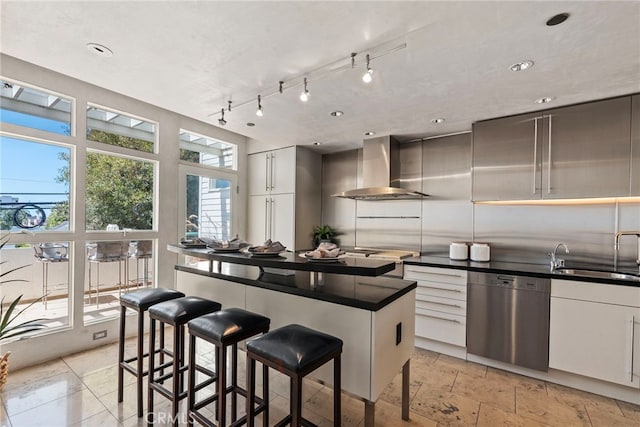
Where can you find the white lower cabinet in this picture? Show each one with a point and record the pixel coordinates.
(272, 217)
(595, 331)
(441, 303)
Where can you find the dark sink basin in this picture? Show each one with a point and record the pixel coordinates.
(599, 274)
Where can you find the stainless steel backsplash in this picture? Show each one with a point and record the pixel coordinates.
(518, 233)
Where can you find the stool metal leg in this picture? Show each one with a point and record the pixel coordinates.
(234, 382)
(222, 387)
(152, 340)
(251, 392)
(296, 401)
(337, 391)
(123, 311)
(265, 395)
(177, 376)
(191, 395)
(140, 368)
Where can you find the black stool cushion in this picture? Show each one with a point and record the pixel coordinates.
(179, 311)
(229, 326)
(144, 298)
(294, 347)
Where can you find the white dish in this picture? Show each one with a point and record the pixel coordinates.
(224, 250)
(265, 254)
(331, 259)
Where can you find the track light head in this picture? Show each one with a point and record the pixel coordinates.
(221, 120)
(259, 110)
(229, 109)
(368, 75)
(304, 96)
(280, 84)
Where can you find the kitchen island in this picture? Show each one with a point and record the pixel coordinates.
(374, 316)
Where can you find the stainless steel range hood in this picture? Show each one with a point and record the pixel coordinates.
(381, 173)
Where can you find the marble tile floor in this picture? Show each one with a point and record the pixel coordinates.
(80, 390)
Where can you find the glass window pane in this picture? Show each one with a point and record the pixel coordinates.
(119, 193)
(207, 151)
(43, 283)
(208, 208)
(34, 185)
(114, 267)
(113, 128)
(34, 108)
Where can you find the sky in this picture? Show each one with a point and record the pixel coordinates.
(31, 167)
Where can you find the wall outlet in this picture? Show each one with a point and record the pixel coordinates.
(100, 334)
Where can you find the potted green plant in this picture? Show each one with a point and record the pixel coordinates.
(8, 316)
(322, 233)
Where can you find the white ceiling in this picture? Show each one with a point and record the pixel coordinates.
(191, 57)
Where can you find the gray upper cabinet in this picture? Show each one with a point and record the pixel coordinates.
(571, 152)
(506, 158)
(635, 145)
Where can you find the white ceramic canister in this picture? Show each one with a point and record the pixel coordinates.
(458, 251)
(480, 252)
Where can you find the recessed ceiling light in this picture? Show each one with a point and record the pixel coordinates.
(369, 133)
(438, 120)
(317, 143)
(520, 66)
(545, 100)
(336, 113)
(99, 49)
(557, 19)
(251, 124)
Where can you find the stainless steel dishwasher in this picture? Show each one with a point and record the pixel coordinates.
(508, 318)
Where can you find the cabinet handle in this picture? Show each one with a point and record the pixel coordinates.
(266, 218)
(437, 274)
(271, 224)
(633, 338)
(271, 172)
(439, 303)
(549, 159)
(266, 173)
(535, 155)
(440, 289)
(440, 318)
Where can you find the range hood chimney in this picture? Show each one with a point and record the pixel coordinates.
(381, 173)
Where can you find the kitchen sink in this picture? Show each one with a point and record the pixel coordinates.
(600, 274)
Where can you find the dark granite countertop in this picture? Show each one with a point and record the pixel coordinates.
(522, 269)
(367, 293)
(292, 261)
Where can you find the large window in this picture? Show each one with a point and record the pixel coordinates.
(206, 151)
(34, 108)
(34, 185)
(208, 207)
(119, 192)
(120, 129)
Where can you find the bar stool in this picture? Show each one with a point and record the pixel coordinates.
(295, 351)
(140, 301)
(223, 329)
(177, 313)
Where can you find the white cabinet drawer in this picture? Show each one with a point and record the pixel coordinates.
(448, 328)
(597, 292)
(444, 305)
(444, 290)
(435, 274)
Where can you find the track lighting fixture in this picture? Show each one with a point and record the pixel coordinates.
(259, 110)
(281, 83)
(221, 120)
(304, 96)
(229, 109)
(368, 75)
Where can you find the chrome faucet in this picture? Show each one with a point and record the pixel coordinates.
(616, 247)
(555, 261)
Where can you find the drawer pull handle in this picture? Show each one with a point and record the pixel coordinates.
(440, 289)
(440, 318)
(438, 274)
(439, 303)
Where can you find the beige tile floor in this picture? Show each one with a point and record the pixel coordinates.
(80, 390)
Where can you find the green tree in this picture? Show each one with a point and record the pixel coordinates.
(118, 190)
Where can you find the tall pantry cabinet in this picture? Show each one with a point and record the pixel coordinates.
(284, 196)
